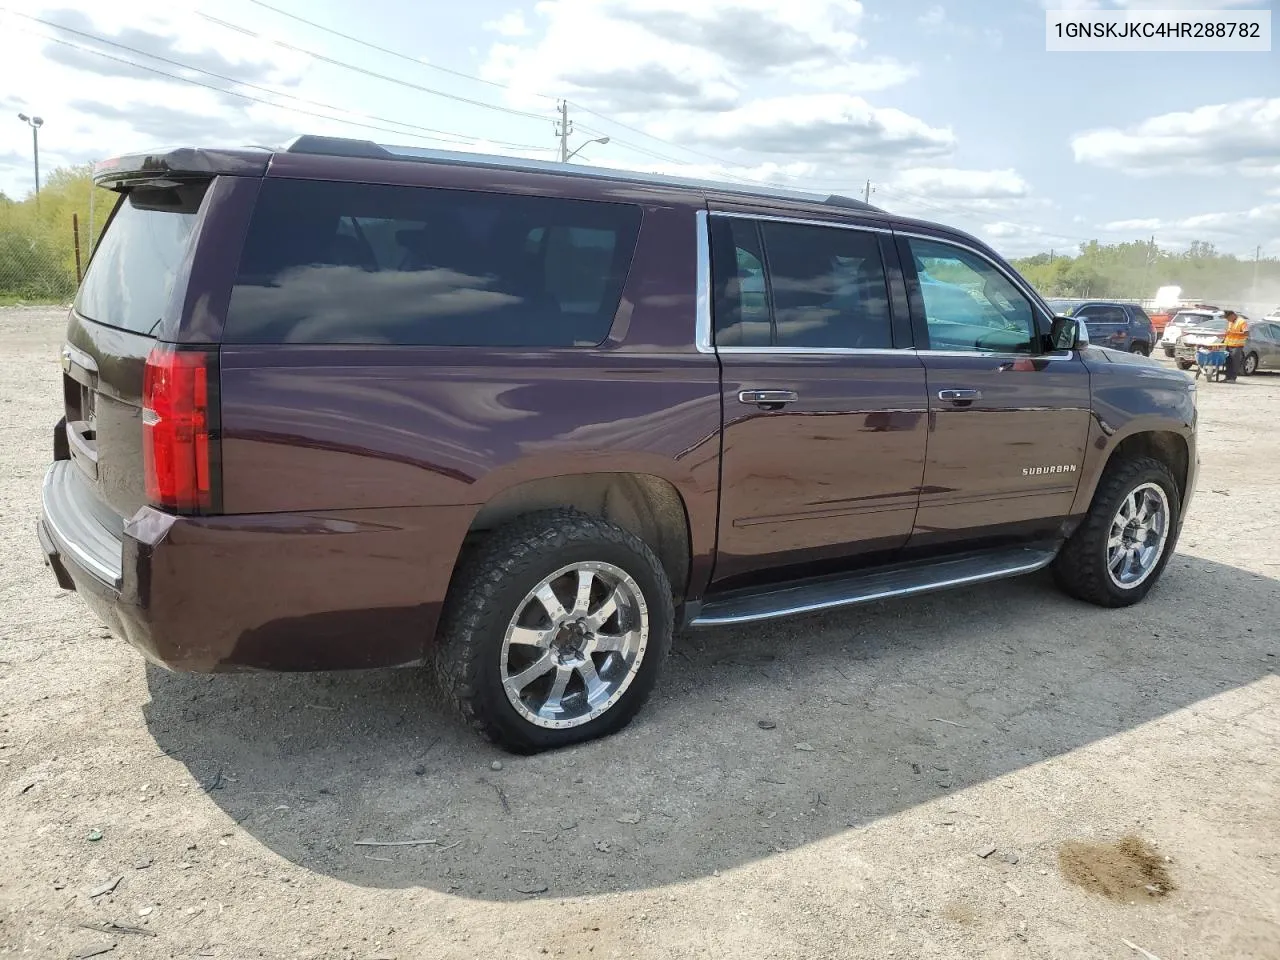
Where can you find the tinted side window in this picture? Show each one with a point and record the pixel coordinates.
(828, 287)
(332, 262)
(741, 299)
(969, 304)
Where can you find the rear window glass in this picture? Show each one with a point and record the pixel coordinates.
(140, 258)
(329, 262)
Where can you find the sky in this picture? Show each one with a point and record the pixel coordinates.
(953, 111)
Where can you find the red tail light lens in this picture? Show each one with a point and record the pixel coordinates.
(177, 428)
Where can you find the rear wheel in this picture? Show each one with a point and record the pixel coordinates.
(1119, 551)
(555, 631)
(1185, 364)
(1141, 348)
(1250, 364)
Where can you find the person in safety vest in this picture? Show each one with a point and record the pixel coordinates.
(1237, 337)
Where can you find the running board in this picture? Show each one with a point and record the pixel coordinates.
(903, 580)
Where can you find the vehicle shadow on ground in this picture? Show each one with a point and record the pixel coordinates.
(876, 710)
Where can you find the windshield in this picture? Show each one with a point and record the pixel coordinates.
(1060, 307)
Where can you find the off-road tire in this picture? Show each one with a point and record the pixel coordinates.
(1081, 566)
(493, 579)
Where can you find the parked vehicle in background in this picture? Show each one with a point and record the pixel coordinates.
(1180, 323)
(1159, 320)
(339, 405)
(1261, 350)
(1120, 326)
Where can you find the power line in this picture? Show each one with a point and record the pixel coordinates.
(467, 76)
(323, 58)
(451, 136)
(235, 93)
(387, 50)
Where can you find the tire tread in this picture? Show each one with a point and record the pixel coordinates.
(1079, 568)
(486, 567)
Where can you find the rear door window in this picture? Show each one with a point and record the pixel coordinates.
(795, 286)
(329, 262)
(140, 258)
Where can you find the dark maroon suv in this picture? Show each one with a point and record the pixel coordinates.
(339, 406)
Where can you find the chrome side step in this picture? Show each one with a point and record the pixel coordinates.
(898, 581)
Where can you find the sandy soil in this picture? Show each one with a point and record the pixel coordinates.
(911, 739)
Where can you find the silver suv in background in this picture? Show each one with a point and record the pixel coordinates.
(1180, 323)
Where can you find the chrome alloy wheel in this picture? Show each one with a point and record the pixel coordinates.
(575, 644)
(1138, 535)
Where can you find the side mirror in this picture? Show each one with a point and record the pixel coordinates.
(1069, 333)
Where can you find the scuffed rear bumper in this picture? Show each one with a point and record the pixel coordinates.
(331, 591)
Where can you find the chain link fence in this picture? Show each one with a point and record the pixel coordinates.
(45, 244)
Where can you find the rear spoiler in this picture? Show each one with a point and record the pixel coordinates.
(170, 167)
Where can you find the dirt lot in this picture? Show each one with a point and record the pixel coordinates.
(911, 738)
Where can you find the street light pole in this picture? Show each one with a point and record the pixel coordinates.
(35, 123)
(574, 153)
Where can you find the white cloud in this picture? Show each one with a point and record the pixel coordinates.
(857, 77)
(1234, 231)
(1020, 240)
(1242, 136)
(957, 184)
(688, 56)
(1148, 4)
(1128, 226)
(935, 16)
(936, 20)
(509, 25)
(833, 125)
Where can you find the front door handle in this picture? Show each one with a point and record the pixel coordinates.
(960, 397)
(768, 399)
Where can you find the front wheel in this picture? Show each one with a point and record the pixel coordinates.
(1119, 551)
(1250, 366)
(554, 632)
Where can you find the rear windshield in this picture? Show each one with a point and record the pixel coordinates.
(328, 262)
(139, 258)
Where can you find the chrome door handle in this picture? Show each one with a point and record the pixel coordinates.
(960, 396)
(768, 399)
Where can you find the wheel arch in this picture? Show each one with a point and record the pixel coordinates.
(648, 506)
(1170, 447)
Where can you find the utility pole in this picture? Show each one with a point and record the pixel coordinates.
(35, 123)
(563, 129)
(866, 194)
(1148, 260)
(1257, 255)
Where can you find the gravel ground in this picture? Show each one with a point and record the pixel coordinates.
(911, 737)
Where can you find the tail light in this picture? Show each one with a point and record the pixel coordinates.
(179, 429)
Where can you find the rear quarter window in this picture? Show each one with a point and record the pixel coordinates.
(328, 263)
(140, 259)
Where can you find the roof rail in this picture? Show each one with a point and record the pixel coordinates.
(367, 149)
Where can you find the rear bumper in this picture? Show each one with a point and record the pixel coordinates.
(332, 591)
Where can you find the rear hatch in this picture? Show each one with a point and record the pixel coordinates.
(131, 293)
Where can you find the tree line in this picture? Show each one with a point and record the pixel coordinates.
(37, 242)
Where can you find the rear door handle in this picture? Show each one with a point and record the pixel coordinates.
(768, 399)
(962, 397)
